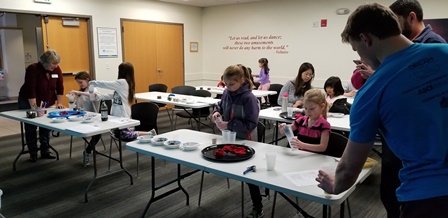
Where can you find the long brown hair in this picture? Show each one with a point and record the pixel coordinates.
(301, 86)
(126, 71)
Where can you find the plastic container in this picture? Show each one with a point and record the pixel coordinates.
(104, 111)
(1, 193)
(285, 102)
(289, 135)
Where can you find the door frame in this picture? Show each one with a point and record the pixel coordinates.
(155, 22)
(89, 30)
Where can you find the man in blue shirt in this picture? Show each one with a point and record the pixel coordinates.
(410, 80)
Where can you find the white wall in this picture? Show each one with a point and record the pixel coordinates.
(293, 20)
(107, 13)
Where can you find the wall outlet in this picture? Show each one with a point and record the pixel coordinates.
(316, 24)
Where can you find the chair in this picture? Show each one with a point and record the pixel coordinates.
(146, 113)
(261, 130)
(273, 98)
(335, 148)
(196, 112)
(183, 90)
(161, 88)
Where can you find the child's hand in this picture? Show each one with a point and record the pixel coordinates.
(215, 115)
(295, 143)
(222, 125)
(73, 92)
(280, 127)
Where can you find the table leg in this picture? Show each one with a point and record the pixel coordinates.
(23, 147)
(304, 213)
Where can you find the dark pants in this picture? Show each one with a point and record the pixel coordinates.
(31, 133)
(432, 207)
(255, 195)
(95, 139)
(390, 181)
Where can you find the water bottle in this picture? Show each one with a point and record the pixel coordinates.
(285, 102)
(92, 93)
(104, 111)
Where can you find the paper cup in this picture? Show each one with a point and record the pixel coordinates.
(270, 160)
(232, 137)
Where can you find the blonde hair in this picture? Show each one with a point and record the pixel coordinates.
(317, 96)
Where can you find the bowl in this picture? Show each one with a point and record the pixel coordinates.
(58, 119)
(88, 118)
(75, 118)
(189, 146)
(336, 115)
(172, 144)
(145, 139)
(31, 114)
(158, 141)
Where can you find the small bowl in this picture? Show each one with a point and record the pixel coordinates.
(144, 139)
(337, 115)
(58, 119)
(172, 144)
(158, 141)
(89, 118)
(190, 146)
(75, 118)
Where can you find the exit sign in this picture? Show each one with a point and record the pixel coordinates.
(43, 1)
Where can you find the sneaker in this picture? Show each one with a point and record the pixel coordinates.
(85, 158)
(255, 214)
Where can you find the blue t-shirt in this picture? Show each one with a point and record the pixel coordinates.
(407, 99)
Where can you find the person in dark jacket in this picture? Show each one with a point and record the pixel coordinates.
(238, 108)
(43, 86)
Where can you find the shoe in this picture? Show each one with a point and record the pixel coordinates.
(85, 158)
(33, 158)
(255, 214)
(48, 155)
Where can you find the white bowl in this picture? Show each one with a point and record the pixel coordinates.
(58, 119)
(190, 146)
(336, 115)
(145, 139)
(88, 118)
(75, 118)
(158, 141)
(172, 144)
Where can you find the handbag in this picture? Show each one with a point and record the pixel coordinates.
(340, 106)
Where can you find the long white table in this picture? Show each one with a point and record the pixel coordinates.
(184, 101)
(76, 129)
(220, 90)
(287, 161)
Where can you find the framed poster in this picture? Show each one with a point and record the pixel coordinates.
(194, 47)
(107, 42)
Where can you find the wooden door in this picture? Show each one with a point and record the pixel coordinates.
(72, 44)
(156, 51)
(139, 48)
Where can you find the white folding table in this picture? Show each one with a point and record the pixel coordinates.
(220, 90)
(76, 129)
(287, 161)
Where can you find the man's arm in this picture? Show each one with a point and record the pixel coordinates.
(349, 167)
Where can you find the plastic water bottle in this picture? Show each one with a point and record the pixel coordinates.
(91, 93)
(285, 102)
(104, 111)
(289, 135)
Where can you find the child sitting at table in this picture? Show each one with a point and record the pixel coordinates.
(336, 98)
(238, 108)
(313, 130)
(221, 83)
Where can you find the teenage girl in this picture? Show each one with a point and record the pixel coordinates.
(263, 76)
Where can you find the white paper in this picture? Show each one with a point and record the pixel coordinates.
(83, 128)
(302, 178)
(118, 120)
(107, 42)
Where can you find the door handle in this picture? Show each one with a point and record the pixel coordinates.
(159, 70)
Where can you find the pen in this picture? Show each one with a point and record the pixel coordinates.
(250, 169)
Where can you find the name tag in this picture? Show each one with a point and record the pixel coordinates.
(54, 76)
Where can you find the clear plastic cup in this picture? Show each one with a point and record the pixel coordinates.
(232, 137)
(289, 135)
(225, 135)
(290, 111)
(330, 169)
(271, 156)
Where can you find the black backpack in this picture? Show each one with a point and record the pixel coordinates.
(340, 106)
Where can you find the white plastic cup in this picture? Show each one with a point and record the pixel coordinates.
(330, 169)
(270, 160)
(225, 135)
(289, 110)
(289, 135)
(232, 137)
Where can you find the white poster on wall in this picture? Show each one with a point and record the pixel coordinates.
(107, 42)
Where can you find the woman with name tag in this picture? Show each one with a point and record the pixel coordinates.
(43, 85)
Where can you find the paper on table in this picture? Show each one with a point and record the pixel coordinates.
(302, 178)
(83, 128)
(119, 120)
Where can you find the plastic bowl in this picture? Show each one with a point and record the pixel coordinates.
(58, 119)
(158, 141)
(145, 139)
(75, 118)
(172, 144)
(88, 118)
(337, 115)
(190, 146)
